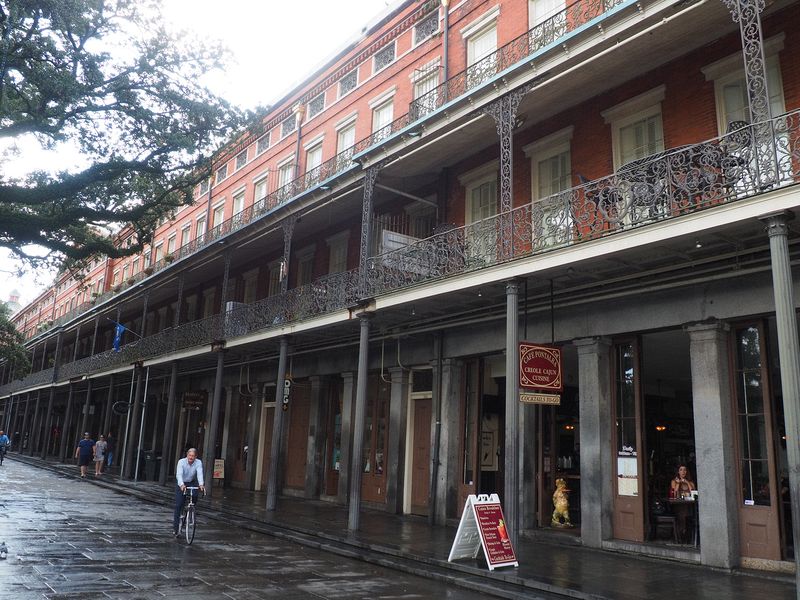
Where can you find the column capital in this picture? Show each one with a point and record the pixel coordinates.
(775, 223)
(348, 375)
(707, 330)
(591, 345)
(399, 373)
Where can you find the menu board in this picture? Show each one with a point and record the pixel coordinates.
(483, 526)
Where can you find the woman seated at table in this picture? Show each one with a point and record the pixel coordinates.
(681, 487)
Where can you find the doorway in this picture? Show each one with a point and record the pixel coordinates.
(653, 437)
(764, 506)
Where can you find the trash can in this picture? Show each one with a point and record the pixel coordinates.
(150, 463)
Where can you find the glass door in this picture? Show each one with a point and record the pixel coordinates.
(629, 481)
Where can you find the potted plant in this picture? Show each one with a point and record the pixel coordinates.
(131, 281)
(148, 270)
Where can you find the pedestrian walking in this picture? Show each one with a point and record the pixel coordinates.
(84, 452)
(109, 448)
(99, 455)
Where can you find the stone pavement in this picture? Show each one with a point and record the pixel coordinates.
(411, 545)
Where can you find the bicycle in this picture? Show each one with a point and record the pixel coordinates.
(188, 522)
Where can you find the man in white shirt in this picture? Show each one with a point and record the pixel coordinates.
(188, 473)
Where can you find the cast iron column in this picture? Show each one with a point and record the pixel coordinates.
(169, 426)
(356, 457)
(277, 429)
(211, 449)
(62, 453)
(288, 231)
(85, 419)
(747, 13)
(131, 432)
(24, 427)
(109, 408)
(512, 494)
(35, 426)
(504, 113)
(789, 354)
(366, 230)
(49, 414)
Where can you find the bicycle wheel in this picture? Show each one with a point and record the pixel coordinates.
(191, 523)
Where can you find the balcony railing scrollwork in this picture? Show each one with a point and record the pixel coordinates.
(654, 189)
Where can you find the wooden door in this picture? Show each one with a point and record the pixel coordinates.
(759, 504)
(421, 457)
(296, 451)
(629, 488)
(333, 446)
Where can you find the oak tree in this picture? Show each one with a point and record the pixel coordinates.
(107, 80)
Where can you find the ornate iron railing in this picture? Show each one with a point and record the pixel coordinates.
(545, 33)
(575, 15)
(665, 186)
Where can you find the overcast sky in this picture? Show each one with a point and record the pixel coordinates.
(274, 44)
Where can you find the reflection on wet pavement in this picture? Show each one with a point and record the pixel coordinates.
(69, 539)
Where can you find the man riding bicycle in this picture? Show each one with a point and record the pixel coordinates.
(188, 473)
(5, 444)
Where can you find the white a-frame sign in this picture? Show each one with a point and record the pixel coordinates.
(483, 526)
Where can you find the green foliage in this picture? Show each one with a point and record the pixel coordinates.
(103, 77)
(12, 351)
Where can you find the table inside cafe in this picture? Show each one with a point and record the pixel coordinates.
(690, 506)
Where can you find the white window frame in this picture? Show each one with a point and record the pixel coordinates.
(185, 239)
(259, 149)
(314, 147)
(285, 166)
(309, 116)
(200, 223)
(475, 179)
(238, 198)
(263, 178)
(172, 242)
(236, 165)
(339, 93)
(544, 148)
(159, 249)
(294, 129)
(415, 41)
(375, 69)
(215, 208)
(533, 21)
(731, 68)
(643, 106)
(349, 124)
(221, 174)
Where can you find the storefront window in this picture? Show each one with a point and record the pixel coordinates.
(626, 401)
(751, 418)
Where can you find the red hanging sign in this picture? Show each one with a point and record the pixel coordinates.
(540, 368)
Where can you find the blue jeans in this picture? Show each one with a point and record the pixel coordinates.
(110, 455)
(180, 498)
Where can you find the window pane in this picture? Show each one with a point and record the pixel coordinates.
(755, 482)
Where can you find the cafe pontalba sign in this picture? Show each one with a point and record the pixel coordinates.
(483, 525)
(540, 374)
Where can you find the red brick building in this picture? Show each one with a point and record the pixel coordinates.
(596, 176)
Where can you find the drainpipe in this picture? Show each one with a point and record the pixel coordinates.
(299, 115)
(446, 35)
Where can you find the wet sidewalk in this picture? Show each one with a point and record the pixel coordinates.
(548, 568)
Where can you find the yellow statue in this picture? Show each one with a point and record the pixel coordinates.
(561, 505)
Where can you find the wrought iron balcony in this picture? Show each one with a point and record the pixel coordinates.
(666, 186)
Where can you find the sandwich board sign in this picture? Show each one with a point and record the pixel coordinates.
(483, 526)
